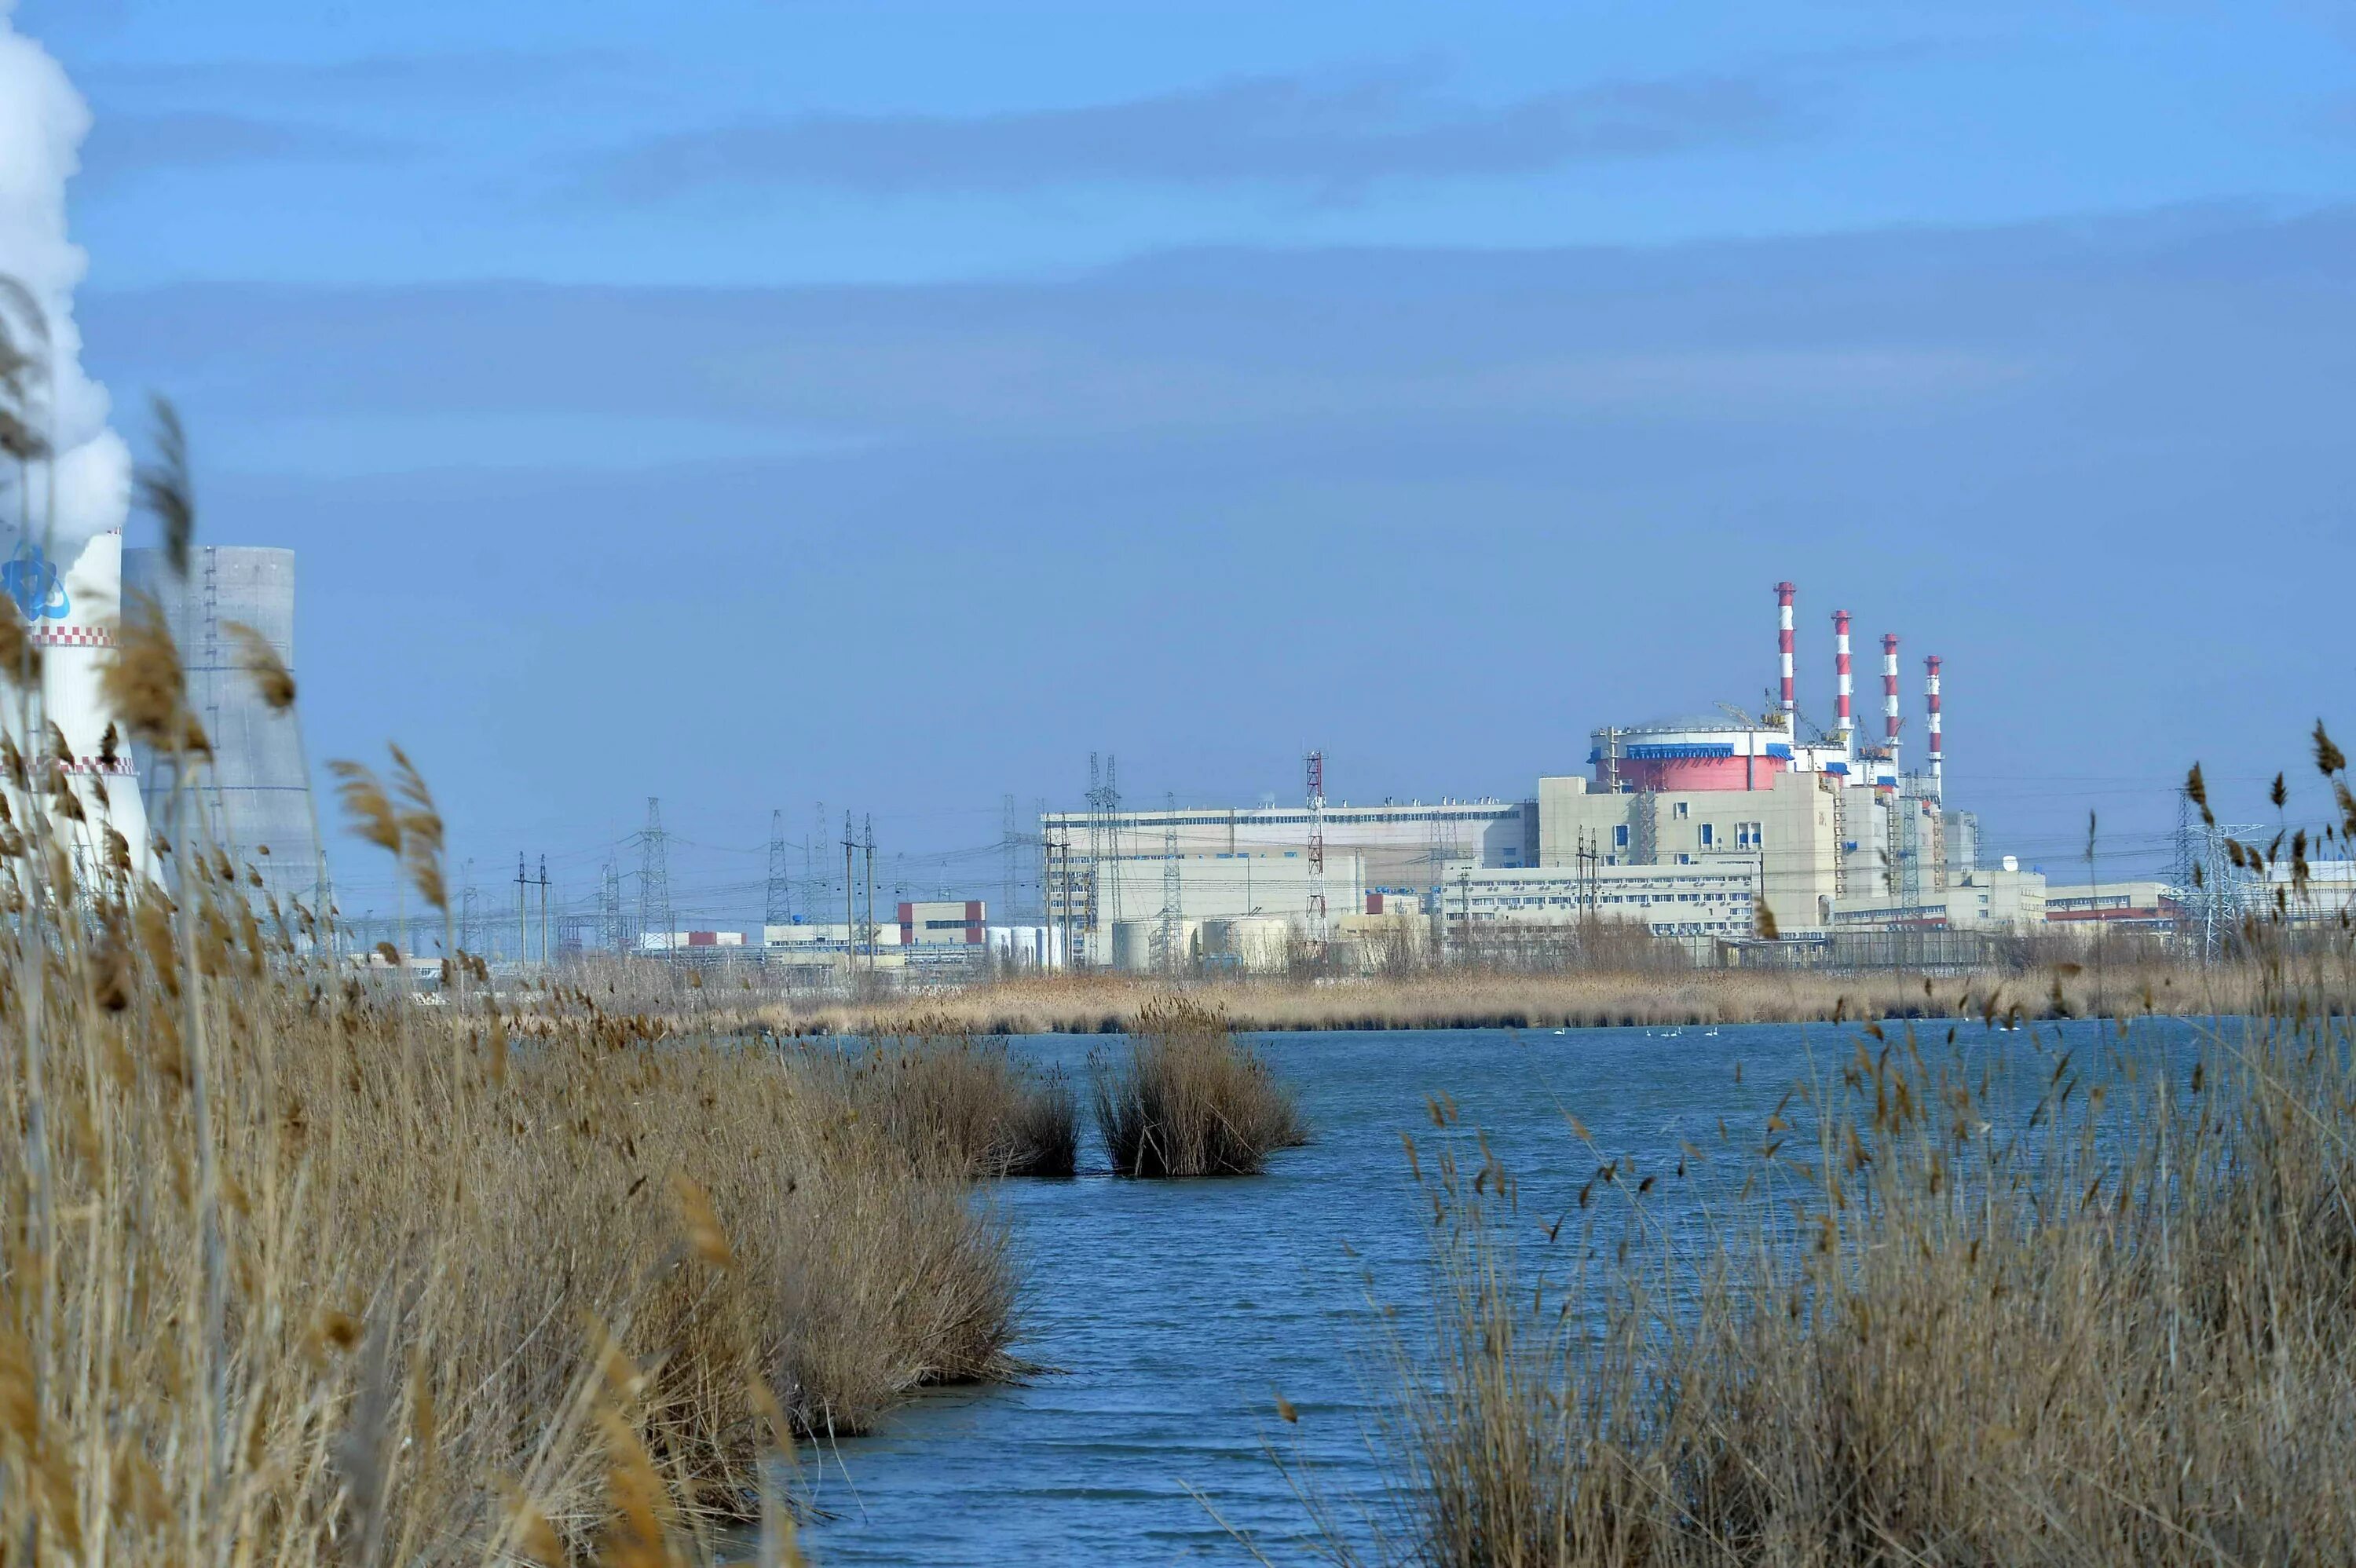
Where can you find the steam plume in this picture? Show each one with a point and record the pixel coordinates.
(42, 123)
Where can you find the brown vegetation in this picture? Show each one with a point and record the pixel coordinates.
(1458, 998)
(1188, 1099)
(2101, 1314)
(950, 1101)
(296, 1269)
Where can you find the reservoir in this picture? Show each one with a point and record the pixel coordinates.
(1175, 1314)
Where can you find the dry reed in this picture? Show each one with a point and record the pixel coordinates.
(295, 1270)
(950, 1100)
(1459, 998)
(2022, 1306)
(1189, 1099)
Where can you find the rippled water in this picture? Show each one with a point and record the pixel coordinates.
(1176, 1311)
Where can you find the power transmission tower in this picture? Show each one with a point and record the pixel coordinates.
(1009, 842)
(544, 953)
(468, 937)
(1316, 771)
(1172, 929)
(523, 912)
(609, 908)
(780, 908)
(654, 878)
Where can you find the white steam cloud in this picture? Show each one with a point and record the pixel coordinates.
(42, 123)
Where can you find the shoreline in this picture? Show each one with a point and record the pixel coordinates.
(1096, 1005)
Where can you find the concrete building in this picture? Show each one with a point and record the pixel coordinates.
(1717, 897)
(941, 922)
(2004, 901)
(1405, 846)
(1791, 824)
(2139, 905)
(688, 940)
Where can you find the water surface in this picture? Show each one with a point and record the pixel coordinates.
(1176, 1312)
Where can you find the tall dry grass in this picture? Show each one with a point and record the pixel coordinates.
(2027, 1306)
(295, 1270)
(1189, 1099)
(1457, 998)
(950, 1099)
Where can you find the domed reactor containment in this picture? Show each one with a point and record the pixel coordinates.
(256, 795)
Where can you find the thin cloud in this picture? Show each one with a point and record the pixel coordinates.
(1334, 138)
(123, 146)
(452, 75)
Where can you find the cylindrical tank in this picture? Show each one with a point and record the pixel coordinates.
(256, 795)
(1132, 946)
(72, 615)
(1261, 943)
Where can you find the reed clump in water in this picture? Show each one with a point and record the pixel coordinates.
(2093, 1308)
(298, 1269)
(952, 1100)
(1189, 1099)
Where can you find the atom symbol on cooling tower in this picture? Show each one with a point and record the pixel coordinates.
(32, 583)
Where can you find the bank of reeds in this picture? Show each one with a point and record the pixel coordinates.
(2036, 1307)
(1454, 998)
(295, 1270)
(1187, 1098)
(950, 1099)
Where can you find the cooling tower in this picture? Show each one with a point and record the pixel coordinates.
(71, 616)
(256, 795)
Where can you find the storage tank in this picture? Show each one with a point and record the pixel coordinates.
(72, 615)
(1259, 944)
(1132, 946)
(256, 795)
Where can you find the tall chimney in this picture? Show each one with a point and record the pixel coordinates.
(1783, 591)
(1844, 722)
(1890, 695)
(1931, 696)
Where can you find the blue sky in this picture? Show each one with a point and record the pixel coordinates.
(756, 403)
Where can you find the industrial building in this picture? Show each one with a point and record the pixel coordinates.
(2006, 900)
(254, 794)
(1722, 827)
(1713, 899)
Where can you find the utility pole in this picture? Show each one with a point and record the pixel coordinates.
(849, 882)
(523, 915)
(869, 821)
(544, 955)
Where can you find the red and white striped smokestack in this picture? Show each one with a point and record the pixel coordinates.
(1931, 698)
(1783, 591)
(1844, 722)
(1889, 694)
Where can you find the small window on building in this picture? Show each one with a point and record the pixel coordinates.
(1620, 836)
(1708, 835)
(1679, 811)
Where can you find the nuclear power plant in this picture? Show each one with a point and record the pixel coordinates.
(254, 794)
(1720, 829)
